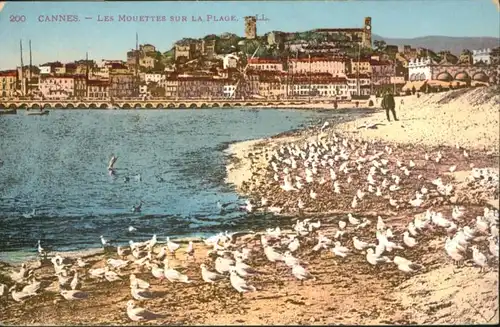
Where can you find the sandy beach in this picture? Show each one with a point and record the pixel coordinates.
(345, 289)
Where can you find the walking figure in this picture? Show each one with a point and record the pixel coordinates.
(389, 104)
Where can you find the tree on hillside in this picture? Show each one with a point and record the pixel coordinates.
(379, 45)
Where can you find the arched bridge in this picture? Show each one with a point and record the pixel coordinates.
(140, 104)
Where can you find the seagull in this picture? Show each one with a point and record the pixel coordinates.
(30, 215)
(190, 250)
(406, 265)
(141, 294)
(493, 246)
(223, 265)
(75, 283)
(238, 283)
(104, 241)
(138, 283)
(172, 247)
(140, 314)
(112, 162)
(131, 229)
(111, 276)
(209, 276)
(325, 125)
(360, 245)
(138, 207)
(373, 259)
(74, 295)
(173, 275)
(479, 258)
(352, 220)
(339, 250)
(301, 273)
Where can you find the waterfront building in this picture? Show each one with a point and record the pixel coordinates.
(333, 66)
(321, 85)
(80, 82)
(98, 89)
(481, 56)
(359, 82)
(382, 71)
(229, 90)
(265, 64)
(171, 87)
(8, 83)
(420, 69)
(200, 87)
(154, 77)
(122, 85)
(271, 84)
(57, 87)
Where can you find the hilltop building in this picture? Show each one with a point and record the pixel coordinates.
(250, 27)
(362, 36)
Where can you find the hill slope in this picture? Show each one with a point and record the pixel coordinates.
(438, 43)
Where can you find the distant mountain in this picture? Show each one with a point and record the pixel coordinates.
(439, 43)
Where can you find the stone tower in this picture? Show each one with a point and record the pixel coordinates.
(250, 27)
(367, 39)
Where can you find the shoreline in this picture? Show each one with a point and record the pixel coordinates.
(345, 290)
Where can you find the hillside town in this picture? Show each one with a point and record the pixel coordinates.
(338, 64)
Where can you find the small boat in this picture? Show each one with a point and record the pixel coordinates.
(8, 112)
(37, 113)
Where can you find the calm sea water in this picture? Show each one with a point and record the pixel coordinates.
(56, 164)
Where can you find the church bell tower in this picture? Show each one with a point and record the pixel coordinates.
(367, 40)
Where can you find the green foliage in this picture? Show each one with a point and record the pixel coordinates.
(380, 45)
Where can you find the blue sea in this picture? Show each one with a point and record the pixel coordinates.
(57, 165)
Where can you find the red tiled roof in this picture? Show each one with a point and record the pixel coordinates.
(97, 82)
(318, 59)
(359, 76)
(8, 73)
(263, 61)
(329, 80)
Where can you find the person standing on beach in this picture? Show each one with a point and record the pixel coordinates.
(389, 104)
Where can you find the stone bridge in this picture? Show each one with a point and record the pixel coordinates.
(139, 104)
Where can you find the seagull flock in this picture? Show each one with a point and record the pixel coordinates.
(339, 172)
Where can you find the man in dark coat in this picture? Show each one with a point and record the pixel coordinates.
(389, 104)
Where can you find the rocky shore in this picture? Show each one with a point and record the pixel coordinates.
(362, 201)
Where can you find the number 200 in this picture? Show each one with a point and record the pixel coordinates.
(17, 19)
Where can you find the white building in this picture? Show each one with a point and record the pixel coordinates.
(154, 77)
(483, 55)
(328, 88)
(45, 70)
(229, 90)
(333, 66)
(420, 69)
(57, 87)
(363, 83)
(265, 64)
(230, 61)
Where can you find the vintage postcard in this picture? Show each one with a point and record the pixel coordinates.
(249, 162)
